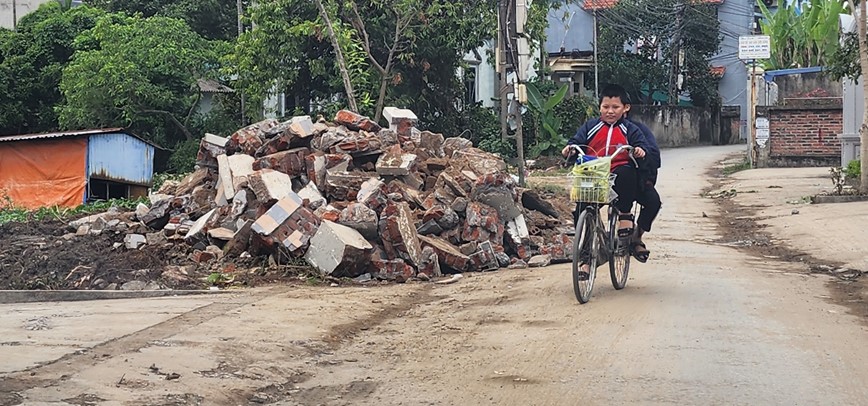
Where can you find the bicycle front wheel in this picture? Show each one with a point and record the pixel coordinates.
(619, 256)
(584, 252)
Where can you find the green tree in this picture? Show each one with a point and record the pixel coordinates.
(138, 73)
(212, 19)
(31, 61)
(403, 52)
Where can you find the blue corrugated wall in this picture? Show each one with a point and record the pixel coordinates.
(120, 157)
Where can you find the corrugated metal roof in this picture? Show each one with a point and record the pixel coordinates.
(79, 133)
(607, 4)
(213, 86)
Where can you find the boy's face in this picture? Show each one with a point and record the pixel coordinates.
(612, 109)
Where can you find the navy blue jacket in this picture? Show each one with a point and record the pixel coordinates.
(648, 167)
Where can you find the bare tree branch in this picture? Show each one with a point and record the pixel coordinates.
(345, 74)
(174, 120)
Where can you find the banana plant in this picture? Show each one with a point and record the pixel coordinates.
(802, 35)
(549, 140)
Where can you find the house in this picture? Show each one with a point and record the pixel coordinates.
(208, 89)
(11, 11)
(73, 167)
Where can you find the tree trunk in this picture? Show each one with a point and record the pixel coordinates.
(339, 55)
(863, 61)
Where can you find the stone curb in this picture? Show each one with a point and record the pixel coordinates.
(35, 296)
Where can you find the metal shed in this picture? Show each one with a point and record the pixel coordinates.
(74, 167)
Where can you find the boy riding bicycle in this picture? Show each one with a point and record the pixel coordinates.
(601, 137)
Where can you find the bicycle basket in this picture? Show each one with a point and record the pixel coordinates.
(591, 182)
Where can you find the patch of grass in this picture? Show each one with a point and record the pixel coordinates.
(741, 166)
(552, 173)
(9, 212)
(548, 188)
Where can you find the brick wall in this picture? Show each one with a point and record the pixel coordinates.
(804, 132)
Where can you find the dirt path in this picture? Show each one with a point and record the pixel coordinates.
(703, 323)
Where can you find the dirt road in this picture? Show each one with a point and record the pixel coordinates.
(702, 323)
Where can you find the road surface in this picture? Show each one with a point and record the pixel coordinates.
(702, 323)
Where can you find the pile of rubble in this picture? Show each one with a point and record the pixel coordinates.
(351, 198)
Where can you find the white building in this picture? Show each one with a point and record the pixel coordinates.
(11, 11)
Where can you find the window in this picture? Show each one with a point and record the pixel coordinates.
(105, 190)
(470, 85)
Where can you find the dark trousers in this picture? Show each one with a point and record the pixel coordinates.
(650, 201)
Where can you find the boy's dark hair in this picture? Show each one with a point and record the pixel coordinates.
(613, 91)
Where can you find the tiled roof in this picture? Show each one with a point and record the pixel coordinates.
(607, 4)
(718, 70)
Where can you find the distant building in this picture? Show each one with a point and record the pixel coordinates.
(11, 11)
(71, 168)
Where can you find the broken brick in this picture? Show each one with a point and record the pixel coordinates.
(391, 270)
(287, 224)
(432, 143)
(398, 233)
(210, 148)
(451, 145)
(485, 259)
(296, 132)
(357, 144)
(559, 247)
(373, 193)
(449, 255)
(318, 164)
(430, 265)
(482, 224)
(445, 217)
(341, 185)
(355, 121)
(290, 162)
(361, 218)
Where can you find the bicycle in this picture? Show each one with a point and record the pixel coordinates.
(591, 184)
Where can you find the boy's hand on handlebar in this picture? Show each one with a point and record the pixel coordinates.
(566, 151)
(638, 152)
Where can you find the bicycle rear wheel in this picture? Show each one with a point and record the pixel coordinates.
(584, 251)
(619, 257)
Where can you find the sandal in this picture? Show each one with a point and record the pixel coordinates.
(582, 274)
(640, 251)
(625, 236)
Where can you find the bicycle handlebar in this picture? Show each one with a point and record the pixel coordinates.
(579, 153)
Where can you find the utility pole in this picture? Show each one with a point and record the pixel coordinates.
(596, 61)
(241, 31)
(676, 52)
(14, 17)
(751, 123)
(501, 68)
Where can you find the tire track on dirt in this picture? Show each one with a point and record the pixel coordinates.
(62, 368)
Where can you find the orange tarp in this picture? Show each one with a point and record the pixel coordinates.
(43, 173)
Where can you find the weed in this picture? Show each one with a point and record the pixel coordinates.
(741, 166)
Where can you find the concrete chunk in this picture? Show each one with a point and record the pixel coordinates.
(498, 191)
(241, 166)
(339, 251)
(221, 233)
(540, 261)
(360, 218)
(311, 194)
(198, 228)
(134, 241)
(228, 188)
(394, 162)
